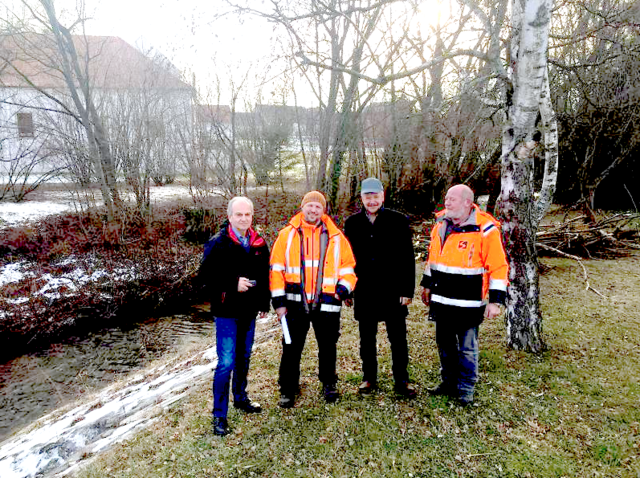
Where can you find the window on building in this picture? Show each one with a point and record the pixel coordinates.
(25, 125)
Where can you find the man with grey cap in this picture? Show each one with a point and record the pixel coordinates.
(385, 267)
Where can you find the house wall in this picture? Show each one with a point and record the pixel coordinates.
(147, 119)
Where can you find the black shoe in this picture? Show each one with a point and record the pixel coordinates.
(366, 388)
(248, 406)
(287, 401)
(444, 390)
(220, 426)
(330, 393)
(406, 390)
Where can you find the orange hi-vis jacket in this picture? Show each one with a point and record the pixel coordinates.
(468, 267)
(297, 280)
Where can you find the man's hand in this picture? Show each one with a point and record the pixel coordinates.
(425, 296)
(244, 284)
(405, 300)
(281, 311)
(492, 310)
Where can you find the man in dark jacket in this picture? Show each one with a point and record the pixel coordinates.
(235, 273)
(385, 267)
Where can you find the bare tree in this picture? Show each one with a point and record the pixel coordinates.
(595, 80)
(333, 44)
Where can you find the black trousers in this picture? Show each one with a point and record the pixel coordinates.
(326, 326)
(397, 333)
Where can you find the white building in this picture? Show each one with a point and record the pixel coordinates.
(143, 104)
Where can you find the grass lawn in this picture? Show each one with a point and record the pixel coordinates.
(572, 411)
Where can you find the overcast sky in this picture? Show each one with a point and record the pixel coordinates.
(189, 35)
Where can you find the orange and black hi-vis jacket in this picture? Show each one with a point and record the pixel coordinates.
(467, 267)
(310, 265)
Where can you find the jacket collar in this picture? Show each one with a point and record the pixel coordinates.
(472, 220)
(332, 229)
(364, 211)
(255, 239)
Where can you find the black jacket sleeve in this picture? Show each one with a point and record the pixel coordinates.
(407, 259)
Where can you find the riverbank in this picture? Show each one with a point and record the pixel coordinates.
(66, 272)
(570, 411)
(70, 273)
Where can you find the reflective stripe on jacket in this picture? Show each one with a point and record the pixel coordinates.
(295, 259)
(467, 268)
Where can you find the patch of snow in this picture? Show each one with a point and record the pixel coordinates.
(14, 214)
(11, 273)
(18, 301)
(55, 283)
(14, 272)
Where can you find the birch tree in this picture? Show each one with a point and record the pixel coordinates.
(527, 96)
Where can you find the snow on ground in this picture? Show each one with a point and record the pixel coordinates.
(60, 442)
(57, 443)
(14, 214)
(56, 202)
(62, 200)
(70, 281)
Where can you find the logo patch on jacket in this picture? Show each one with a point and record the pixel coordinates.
(463, 244)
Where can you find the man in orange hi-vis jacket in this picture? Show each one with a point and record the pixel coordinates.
(312, 273)
(465, 280)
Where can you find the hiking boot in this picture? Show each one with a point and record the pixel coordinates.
(406, 389)
(330, 393)
(367, 388)
(287, 401)
(220, 426)
(248, 406)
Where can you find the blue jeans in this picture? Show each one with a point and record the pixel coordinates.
(458, 349)
(234, 340)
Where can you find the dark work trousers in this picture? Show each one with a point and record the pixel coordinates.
(234, 340)
(458, 349)
(397, 333)
(326, 327)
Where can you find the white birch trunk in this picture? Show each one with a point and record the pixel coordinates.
(527, 72)
(550, 131)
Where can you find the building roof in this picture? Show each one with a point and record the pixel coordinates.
(214, 113)
(33, 60)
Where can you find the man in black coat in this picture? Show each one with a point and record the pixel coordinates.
(235, 273)
(385, 267)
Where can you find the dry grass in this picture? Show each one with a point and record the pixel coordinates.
(571, 411)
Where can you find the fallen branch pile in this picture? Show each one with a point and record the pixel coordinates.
(611, 236)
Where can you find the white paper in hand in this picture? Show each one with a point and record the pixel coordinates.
(285, 330)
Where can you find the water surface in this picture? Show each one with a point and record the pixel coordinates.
(37, 383)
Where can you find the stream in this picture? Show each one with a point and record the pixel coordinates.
(36, 383)
(42, 387)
